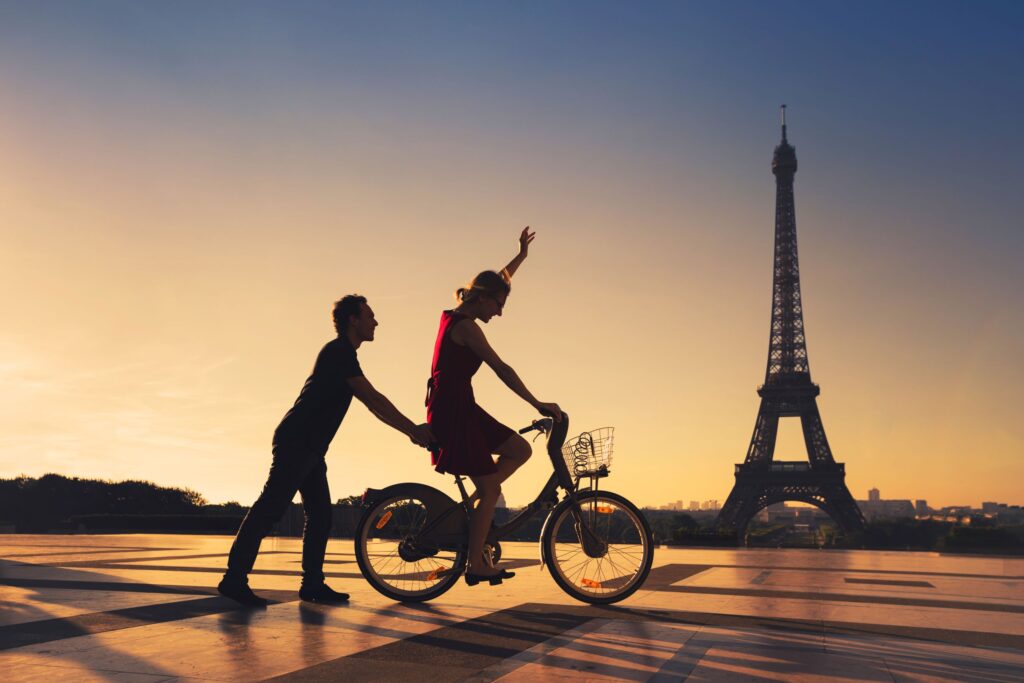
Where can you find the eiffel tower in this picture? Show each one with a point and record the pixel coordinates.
(788, 392)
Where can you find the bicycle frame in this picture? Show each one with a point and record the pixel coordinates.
(545, 500)
(548, 496)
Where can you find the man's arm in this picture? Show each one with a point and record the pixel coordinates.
(386, 412)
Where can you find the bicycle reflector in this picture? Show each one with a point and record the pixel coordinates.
(436, 574)
(590, 583)
(383, 519)
(605, 509)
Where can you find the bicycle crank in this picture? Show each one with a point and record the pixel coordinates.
(410, 551)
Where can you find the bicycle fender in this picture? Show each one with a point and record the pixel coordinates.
(420, 490)
(540, 541)
(544, 531)
(435, 496)
(579, 496)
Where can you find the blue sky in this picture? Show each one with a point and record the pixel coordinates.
(217, 160)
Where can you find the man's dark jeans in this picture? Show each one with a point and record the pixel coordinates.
(290, 471)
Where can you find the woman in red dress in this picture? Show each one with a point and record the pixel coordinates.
(466, 435)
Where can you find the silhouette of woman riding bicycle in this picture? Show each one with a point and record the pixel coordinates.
(413, 542)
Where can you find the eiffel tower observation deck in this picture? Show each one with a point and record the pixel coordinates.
(788, 391)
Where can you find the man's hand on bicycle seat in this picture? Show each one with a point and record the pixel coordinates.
(421, 435)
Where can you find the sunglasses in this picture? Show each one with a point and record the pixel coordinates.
(500, 302)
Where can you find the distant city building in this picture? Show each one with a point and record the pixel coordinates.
(694, 505)
(711, 505)
(1002, 512)
(796, 515)
(875, 508)
(501, 501)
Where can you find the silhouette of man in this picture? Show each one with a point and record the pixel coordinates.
(299, 449)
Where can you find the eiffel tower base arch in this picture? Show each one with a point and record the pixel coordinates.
(758, 486)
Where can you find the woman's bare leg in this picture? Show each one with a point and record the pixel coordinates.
(511, 455)
(488, 488)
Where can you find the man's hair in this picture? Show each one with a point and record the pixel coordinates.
(348, 305)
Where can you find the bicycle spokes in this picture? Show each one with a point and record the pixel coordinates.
(600, 547)
(397, 555)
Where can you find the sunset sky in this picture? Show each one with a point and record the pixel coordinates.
(186, 187)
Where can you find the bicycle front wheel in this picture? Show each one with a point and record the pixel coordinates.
(399, 554)
(614, 562)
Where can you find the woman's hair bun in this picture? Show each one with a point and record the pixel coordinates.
(487, 282)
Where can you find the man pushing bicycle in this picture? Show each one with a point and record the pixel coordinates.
(299, 449)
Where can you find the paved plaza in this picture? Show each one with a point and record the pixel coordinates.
(143, 608)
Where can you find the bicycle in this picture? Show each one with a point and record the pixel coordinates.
(411, 540)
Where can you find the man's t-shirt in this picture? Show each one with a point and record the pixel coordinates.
(314, 419)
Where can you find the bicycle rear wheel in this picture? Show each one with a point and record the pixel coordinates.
(619, 557)
(397, 558)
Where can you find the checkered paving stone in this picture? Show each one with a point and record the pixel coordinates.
(144, 608)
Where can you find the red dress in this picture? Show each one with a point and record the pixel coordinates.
(466, 434)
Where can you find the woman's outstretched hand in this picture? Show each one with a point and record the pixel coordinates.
(550, 409)
(525, 237)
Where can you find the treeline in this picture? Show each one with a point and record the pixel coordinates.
(927, 534)
(680, 529)
(57, 503)
(54, 502)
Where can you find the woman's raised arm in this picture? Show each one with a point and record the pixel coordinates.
(525, 237)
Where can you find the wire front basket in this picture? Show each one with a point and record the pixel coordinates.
(590, 453)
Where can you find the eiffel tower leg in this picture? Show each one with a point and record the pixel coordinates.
(845, 508)
(738, 508)
(842, 506)
(742, 505)
(818, 451)
(766, 428)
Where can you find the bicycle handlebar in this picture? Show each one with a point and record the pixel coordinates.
(541, 425)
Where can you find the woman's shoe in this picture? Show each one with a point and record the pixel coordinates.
(474, 579)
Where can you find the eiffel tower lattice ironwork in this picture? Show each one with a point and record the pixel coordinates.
(788, 392)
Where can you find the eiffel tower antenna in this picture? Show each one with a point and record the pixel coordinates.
(788, 391)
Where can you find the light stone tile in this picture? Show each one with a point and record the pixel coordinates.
(908, 649)
(32, 668)
(25, 605)
(762, 638)
(740, 663)
(605, 650)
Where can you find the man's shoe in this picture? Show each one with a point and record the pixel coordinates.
(239, 591)
(322, 593)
